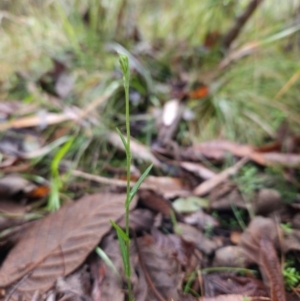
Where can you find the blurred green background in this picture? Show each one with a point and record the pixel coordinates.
(167, 41)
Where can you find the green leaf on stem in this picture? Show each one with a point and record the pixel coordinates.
(124, 242)
(137, 185)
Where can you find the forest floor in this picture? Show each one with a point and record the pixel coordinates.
(218, 216)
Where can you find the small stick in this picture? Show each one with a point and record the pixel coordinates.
(108, 181)
(239, 23)
(205, 187)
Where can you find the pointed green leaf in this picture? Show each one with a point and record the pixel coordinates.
(124, 236)
(123, 241)
(138, 184)
(124, 255)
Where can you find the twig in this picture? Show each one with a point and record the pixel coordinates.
(147, 276)
(108, 181)
(208, 185)
(239, 23)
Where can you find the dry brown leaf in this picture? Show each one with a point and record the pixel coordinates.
(56, 245)
(178, 248)
(194, 235)
(155, 202)
(162, 268)
(77, 286)
(226, 195)
(259, 242)
(270, 263)
(216, 150)
(227, 283)
(259, 227)
(139, 220)
(166, 186)
(201, 219)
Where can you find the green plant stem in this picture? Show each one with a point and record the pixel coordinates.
(128, 156)
(126, 70)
